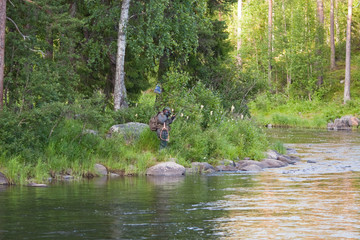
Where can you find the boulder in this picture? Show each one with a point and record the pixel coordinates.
(166, 169)
(3, 179)
(251, 168)
(286, 159)
(201, 167)
(272, 154)
(100, 169)
(272, 163)
(130, 131)
(227, 162)
(244, 163)
(221, 168)
(344, 123)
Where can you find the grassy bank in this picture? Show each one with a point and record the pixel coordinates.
(301, 113)
(53, 139)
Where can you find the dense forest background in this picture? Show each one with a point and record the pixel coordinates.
(66, 50)
(78, 61)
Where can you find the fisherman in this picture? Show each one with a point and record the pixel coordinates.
(164, 119)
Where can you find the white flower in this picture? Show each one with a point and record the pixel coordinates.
(136, 115)
(211, 112)
(232, 108)
(181, 115)
(187, 117)
(201, 107)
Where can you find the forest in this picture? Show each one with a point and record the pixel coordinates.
(229, 66)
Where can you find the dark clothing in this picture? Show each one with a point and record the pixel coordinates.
(163, 133)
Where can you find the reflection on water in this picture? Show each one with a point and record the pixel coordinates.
(308, 201)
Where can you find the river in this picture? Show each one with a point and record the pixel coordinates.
(316, 199)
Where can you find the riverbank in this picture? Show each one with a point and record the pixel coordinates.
(60, 140)
(281, 111)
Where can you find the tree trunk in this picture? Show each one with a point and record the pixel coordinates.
(332, 36)
(2, 50)
(320, 39)
(337, 28)
(348, 53)
(239, 40)
(270, 41)
(119, 88)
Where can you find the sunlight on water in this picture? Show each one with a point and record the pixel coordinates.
(317, 200)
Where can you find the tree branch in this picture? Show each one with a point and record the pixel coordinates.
(17, 28)
(38, 51)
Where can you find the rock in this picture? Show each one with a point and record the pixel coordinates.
(311, 161)
(272, 154)
(130, 131)
(166, 169)
(286, 159)
(291, 151)
(3, 179)
(221, 168)
(100, 169)
(244, 163)
(227, 162)
(90, 131)
(272, 163)
(67, 177)
(114, 175)
(251, 168)
(201, 167)
(344, 123)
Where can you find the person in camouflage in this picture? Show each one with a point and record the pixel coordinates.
(163, 126)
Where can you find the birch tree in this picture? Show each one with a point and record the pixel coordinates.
(332, 36)
(239, 40)
(320, 38)
(270, 41)
(2, 49)
(119, 85)
(348, 53)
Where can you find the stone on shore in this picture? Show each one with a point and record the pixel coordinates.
(3, 179)
(200, 167)
(169, 169)
(244, 163)
(272, 163)
(130, 131)
(222, 168)
(100, 169)
(251, 168)
(344, 123)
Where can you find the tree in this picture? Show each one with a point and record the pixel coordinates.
(348, 53)
(239, 40)
(270, 15)
(119, 87)
(320, 39)
(332, 36)
(2, 49)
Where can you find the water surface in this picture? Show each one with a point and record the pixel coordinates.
(308, 201)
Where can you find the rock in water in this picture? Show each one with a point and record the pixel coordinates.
(251, 168)
(343, 123)
(100, 169)
(272, 163)
(3, 179)
(169, 169)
